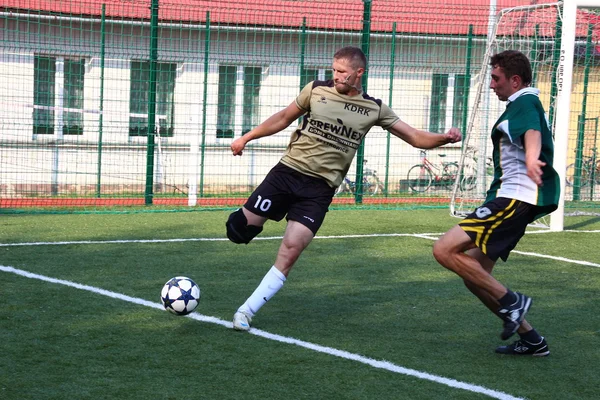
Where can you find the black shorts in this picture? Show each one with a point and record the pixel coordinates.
(303, 198)
(497, 226)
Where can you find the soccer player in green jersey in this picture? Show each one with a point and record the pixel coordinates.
(336, 116)
(525, 187)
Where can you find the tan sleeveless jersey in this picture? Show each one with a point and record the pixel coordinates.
(332, 129)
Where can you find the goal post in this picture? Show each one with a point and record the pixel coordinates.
(563, 101)
(548, 34)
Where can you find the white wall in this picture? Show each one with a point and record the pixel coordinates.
(42, 160)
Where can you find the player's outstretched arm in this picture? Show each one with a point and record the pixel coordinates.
(423, 139)
(275, 123)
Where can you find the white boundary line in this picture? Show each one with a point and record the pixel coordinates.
(566, 230)
(428, 236)
(200, 239)
(525, 253)
(386, 365)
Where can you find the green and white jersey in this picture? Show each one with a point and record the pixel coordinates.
(524, 111)
(330, 132)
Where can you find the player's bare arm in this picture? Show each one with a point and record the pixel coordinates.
(533, 147)
(423, 139)
(275, 123)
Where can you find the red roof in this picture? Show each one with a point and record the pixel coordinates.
(414, 16)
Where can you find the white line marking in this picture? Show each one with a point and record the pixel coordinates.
(428, 236)
(386, 365)
(118, 241)
(201, 239)
(566, 230)
(526, 253)
(579, 262)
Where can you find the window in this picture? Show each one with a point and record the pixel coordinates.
(437, 107)
(311, 74)
(308, 75)
(441, 114)
(226, 101)
(251, 107)
(459, 105)
(73, 97)
(58, 109)
(139, 95)
(44, 73)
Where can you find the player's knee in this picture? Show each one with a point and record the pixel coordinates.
(238, 230)
(439, 252)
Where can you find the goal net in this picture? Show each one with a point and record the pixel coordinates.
(536, 31)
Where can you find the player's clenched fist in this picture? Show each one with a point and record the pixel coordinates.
(237, 146)
(453, 135)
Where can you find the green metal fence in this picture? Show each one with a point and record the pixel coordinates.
(137, 102)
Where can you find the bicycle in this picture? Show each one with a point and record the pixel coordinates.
(421, 176)
(590, 170)
(469, 171)
(370, 181)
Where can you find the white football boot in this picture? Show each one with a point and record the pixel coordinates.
(241, 321)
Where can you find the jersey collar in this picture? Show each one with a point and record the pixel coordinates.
(524, 91)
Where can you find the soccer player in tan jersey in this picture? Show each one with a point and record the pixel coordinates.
(336, 116)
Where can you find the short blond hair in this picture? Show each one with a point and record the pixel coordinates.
(353, 54)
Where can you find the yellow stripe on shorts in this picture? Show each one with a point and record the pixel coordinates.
(483, 234)
(505, 214)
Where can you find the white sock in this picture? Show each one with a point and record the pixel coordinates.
(271, 283)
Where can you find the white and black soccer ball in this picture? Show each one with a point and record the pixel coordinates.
(180, 295)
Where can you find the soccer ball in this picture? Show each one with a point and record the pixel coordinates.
(180, 295)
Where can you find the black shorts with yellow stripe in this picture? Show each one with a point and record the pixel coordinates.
(497, 226)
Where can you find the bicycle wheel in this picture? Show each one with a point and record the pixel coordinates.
(468, 182)
(449, 174)
(419, 178)
(468, 179)
(584, 176)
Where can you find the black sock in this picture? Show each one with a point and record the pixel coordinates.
(531, 336)
(508, 299)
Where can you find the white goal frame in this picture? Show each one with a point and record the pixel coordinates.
(563, 101)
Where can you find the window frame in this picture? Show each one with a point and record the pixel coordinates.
(251, 98)
(62, 97)
(166, 78)
(72, 102)
(44, 96)
(461, 87)
(438, 103)
(309, 74)
(238, 99)
(226, 101)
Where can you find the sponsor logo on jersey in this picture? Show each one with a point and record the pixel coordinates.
(356, 109)
(338, 130)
